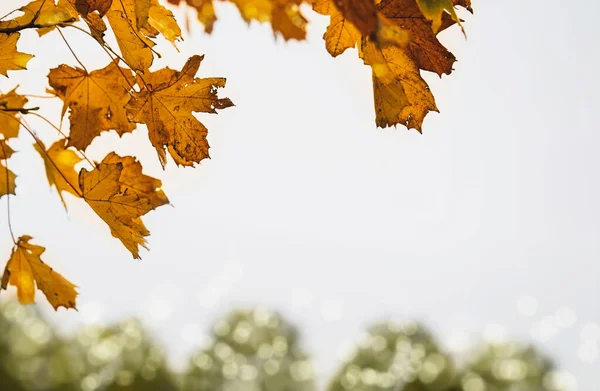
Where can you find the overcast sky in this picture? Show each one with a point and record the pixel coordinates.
(485, 225)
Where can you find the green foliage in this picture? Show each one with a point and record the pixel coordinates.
(252, 350)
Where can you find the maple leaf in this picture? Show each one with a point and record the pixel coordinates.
(39, 14)
(9, 116)
(166, 104)
(161, 20)
(85, 7)
(96, 100)
(205, 12)
(342, 34)
(7, 177)
(434, 10)
(25, 269)
(135, 46)
(284, 15)
(120, 194)
(10, 58)
(60, 167)
(401, 95)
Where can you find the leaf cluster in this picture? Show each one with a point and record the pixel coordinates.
(396, 38)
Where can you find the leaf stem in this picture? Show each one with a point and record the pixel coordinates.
(71, 49)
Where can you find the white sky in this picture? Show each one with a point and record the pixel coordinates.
(307, 208)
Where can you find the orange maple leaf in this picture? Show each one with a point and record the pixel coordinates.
(25, 269)
(120, 194)
(165, 105)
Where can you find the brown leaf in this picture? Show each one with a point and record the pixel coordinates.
(96, 100)
(60, 168)
(84, 7)
(25, 269)
(120, 194)
(166, 104)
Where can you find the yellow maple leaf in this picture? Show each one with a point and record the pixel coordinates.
(401, 95)
(7, 177)
(161, 20)
(60, 167)
(124, 18)
(120, 194)
(96, 100)
(166, 104)
(25, 269)
(9, 117)
(284, 15)
(205, 11)
(39, 14)
(10, 58)
(341, 34)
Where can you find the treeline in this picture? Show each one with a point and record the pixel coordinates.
(252, 350)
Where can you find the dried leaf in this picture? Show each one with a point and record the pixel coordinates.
(120, 194)
(166, 104)
(401, 95)
(434, 10)
(25, 269)
(10, 58)
(123, 17)
(60, 168)
(9, 117)
(341, 34)
(284, 15)
(96, 100)
(84, 7)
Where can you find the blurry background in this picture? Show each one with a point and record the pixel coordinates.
(484, 228)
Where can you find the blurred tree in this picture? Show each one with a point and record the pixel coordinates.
(252, 350)
(394, 357)
(509, 367)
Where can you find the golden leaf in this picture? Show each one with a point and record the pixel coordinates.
(341, 34)
(95, 99)
(166, 104)
(162, 21)
(401, 95)
(205, 12)
(60, 168)
(7, 177)
(40, 14)
(25, 269)
(9, 118)
(10, 58)
(124, 17)
(284, 15)
(120, 194)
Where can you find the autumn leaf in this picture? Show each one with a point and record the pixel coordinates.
(7, 177)
(85, 7)
(161, 20)
(96, 100)
(434, 10)
(205, 11)
(39, 14)
(135, 46)
(10, 58)
(341, 34)
(60, 167)
(401, 95)
(120, 194)
(9, 117)
(284, 15)
(166, 104)
(25, 269)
